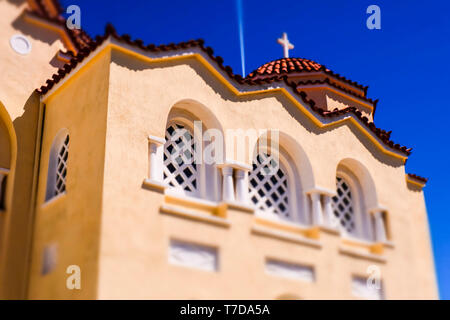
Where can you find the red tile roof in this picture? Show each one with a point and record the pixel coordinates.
(418, 178)
(78, 37)
(51, 8)
(286, 66)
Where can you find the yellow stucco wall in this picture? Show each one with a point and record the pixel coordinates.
(72, 220)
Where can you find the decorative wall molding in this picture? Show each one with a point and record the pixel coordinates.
(193, 255)
(285, 236)
(357, 253)
(193, 215)
(361, 289)
(290, 270)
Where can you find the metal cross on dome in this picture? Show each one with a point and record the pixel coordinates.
(286, 44)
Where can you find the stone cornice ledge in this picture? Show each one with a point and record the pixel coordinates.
(360, 254)
(156, 140)
(330, 230)
(379, 208)
(193, 215)
(235, 164)
(239, 206)
(321, 190)
(285, 236)
(154, 185)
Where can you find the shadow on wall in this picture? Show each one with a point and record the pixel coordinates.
(8, 152)
(34, 32)
(20, 223)
(40, 34)
(334, 100)
(414, 188)
(16, 2)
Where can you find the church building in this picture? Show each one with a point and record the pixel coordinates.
(131, 170)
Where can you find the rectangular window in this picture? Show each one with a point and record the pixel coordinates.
(290, 270)
(193, 255)
(49, 258)
(366, 289)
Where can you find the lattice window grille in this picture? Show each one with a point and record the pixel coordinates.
(180, 169)
(343, 206)
(268, 186)
(61, 167)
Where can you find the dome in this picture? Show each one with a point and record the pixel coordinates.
(286, 66)
(294, 66)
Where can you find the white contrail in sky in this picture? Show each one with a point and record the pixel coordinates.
(241, 33)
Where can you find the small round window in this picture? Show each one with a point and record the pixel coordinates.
(20, 44)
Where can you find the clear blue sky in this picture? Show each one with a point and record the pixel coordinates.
(405, 65)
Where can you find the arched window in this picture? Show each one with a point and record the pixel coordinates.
(268, 184)
(349, 206)
(192, 150)
(180, 168)
(57, 166)
(343, 206)
(274, 186)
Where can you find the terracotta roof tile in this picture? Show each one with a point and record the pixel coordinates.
(50, 7)
(418, 178)
(79, 37)
(285, 66)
